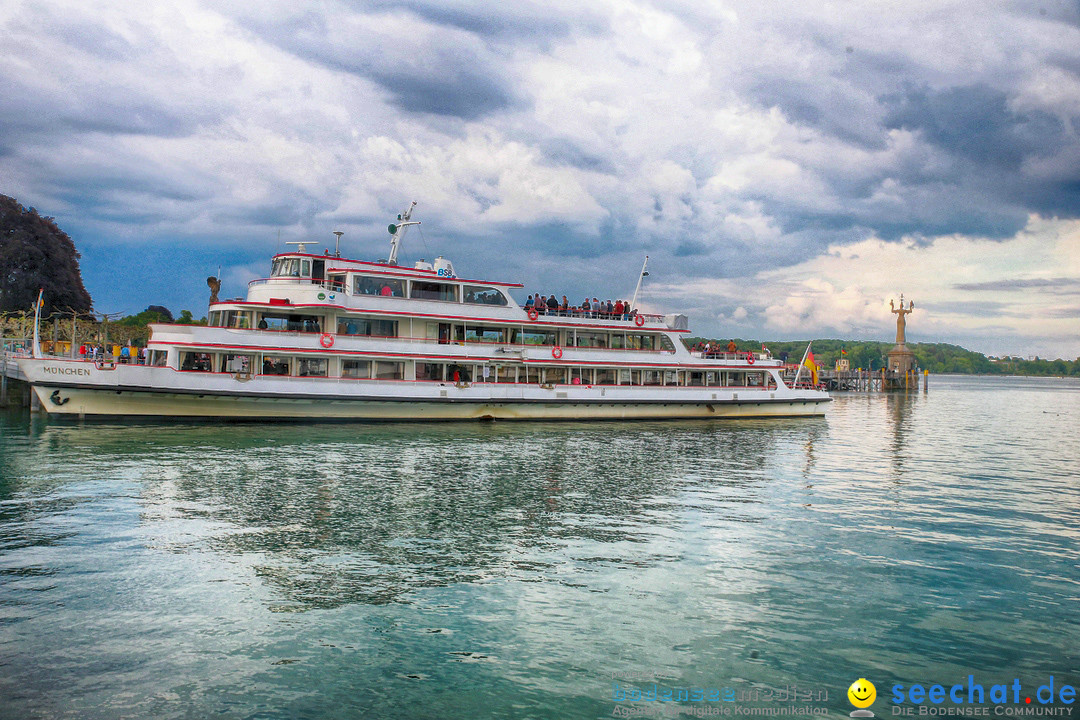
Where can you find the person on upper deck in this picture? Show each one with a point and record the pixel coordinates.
(595, 307)
(552, 305)
(529, 302)
(731, 346)
(585, 306)
(610, 308)
(618, 309)
(564, 306)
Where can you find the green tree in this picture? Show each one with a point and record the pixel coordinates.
(35, 254)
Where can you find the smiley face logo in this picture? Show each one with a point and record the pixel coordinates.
(862, 693)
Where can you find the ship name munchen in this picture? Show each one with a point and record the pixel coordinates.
(65, 371)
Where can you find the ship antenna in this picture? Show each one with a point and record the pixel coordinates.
(337, 245)
(397, 230)
(642, 276)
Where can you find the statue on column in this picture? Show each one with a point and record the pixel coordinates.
(901, 323)
(214, 284)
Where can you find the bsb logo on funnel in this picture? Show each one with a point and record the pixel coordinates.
(862, 694)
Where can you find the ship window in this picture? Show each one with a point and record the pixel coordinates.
(666, 345)
(236, 363)
(605, 376)
(356, 369)
(639, 342)
(289, 267)
(366, 326)
(366, 285)
(385, 370)
(533, 338)
(311, 367)
(197, 362)
(486, 335)
(430, 372)
(652, 377)
(592, 340)
(305, 268)
(506, 374)
(234, 319)
(480, 295)
(159, 358)
(624, 377)
(275, 365)
(433, 291)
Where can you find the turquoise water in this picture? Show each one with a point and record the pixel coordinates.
(521, 570)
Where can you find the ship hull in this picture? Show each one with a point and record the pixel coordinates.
(134, 391)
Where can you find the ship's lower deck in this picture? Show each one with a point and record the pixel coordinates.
(557, 405)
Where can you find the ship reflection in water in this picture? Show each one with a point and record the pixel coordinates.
(368, 514)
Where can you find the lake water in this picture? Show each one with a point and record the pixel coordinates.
(538, 570)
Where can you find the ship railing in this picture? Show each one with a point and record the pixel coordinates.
(324, 284)
(737, 356)
(650, 318)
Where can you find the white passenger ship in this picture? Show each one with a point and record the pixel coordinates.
(329, 338)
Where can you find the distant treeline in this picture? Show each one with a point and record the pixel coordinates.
(935, 357)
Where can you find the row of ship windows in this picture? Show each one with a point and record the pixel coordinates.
(389, 287)
(445, 333)
(457, 372)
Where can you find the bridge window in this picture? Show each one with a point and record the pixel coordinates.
(290, 267)
(480, 295)
(433, 291)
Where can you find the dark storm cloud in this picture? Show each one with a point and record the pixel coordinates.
(428, 75)
(564, 151)
(535, 23)
(1061, 284)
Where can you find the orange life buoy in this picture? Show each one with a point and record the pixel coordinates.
(326, 340)
(750, 357)
(639, 320)
(556, 352)
(533, 314)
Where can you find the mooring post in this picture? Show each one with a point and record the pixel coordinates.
(925, 380)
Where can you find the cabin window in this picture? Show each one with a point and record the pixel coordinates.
(368, 327)
(605, 376)
(196, 362)
(159, 358)
(459, 373)
(624, 377)
(422, 290)
(275, 365)
(311, 367)
(236, 363)
(640, 342)
(234, 319)
(485, 335)
(386, 370)
(520, 337)
(336, 282)
(429, 372)
(592, 340)
(652, 377)
(291, 323)
(387, 287)
(480, 295)
(506, 374)
(356, 369)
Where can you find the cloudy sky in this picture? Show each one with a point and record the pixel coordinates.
(788, 167)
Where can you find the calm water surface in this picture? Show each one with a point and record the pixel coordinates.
(510, 570)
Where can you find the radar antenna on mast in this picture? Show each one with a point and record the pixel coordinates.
(398, 230)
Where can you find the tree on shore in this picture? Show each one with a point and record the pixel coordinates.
(34, 254)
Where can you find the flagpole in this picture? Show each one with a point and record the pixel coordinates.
(36, 349)
(802, 364)
(633, 302)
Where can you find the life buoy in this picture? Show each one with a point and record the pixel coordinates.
(326, 340)
(533, 314)
(639, 320)
(556, 352)
(750, 358)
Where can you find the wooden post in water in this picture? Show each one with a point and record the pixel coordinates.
(3, 377)
(925, 380)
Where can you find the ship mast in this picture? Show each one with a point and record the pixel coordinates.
(398, 230)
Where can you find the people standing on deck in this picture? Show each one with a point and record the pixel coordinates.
(529, 302)
(731, 346)
(564, 307)
(618, 309)
(585, 307)
(552, 305)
